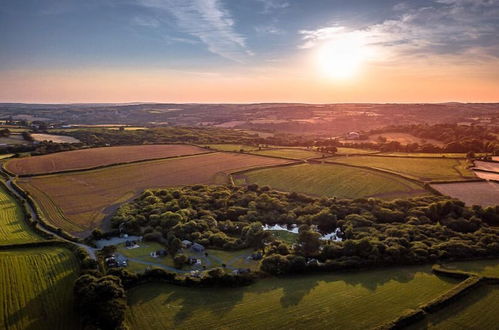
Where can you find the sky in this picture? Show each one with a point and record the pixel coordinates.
(241, 51)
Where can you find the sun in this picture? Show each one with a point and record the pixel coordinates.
(341, 58)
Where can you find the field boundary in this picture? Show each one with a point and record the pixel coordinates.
(241, 172)
(100, 166)
(470, 281)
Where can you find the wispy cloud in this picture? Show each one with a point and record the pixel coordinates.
(447, 27)
(271, 5)
(207, 20)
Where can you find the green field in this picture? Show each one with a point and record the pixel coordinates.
(289, 153)
(423, 154)
(334, 180)
(36, 289)
(476, 310)
(230, 147)
(346, 301)
(479, 267)
(417, 168)
(352, 151)
(13, 228)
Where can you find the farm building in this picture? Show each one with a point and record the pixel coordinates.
(353, 136)
(197, 247)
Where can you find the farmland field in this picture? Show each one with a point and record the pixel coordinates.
(13, 228)
(335, 180)
(79, 201)
(231, 147)
(292, 153)
(353, 301)
(487, 166)
(487, 175)
(472, 193)
(351, 151)
(417, 168)
(404, 138)
(37, 290)
(88, 158)
(423, 154)
(54, 138)
(480, 267)
(476, 310)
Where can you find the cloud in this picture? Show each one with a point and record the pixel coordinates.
(206, 20)
(271, 5)
(146, 22)
(446, 27)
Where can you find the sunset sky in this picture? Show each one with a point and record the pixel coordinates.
(57, 51)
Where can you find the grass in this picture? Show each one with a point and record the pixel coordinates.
(334, 180)
(285, 236)
(352, 151)
(424, 154)
(344, 301)
(36, 289)
(230, 147)
(289, 153)
(476, 310)
(233, 259)
(417, 168)
(13, 228)
(479, 267)
(78, 202)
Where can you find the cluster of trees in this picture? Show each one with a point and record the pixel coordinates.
(374, 232)
(457, 138)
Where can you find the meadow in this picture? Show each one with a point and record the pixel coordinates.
(54, 138)
(231, 147)
(479, 267)
(334, 181)
(89, 158)
(472, 193)
(37, 290)
(335, 301)
(78, 202)
(487, 166)
(425, 169)
(292, 153)
(476, 310)
(13, 228)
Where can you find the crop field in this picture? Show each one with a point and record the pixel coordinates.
(88, 158)
(335, 180)
(476, 310)
(417, 168)
(231, 147)
(472, 193)
(487, 166)
(78, 202)
(13, 228)
(352, 301)
(54, 138)
(291, 153)
(37, 290)
(487, 175)
(480, 267)
(13, 139)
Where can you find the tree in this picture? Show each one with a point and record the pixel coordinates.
(309, 241)
(180, 260)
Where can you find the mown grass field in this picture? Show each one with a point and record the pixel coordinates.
(13, 228)
(353, 151)
(347, 301)
(476, 310)
(231, 147)
(78, 202)
(417, 168)
(36, 289)
(335, 180)
(480, 267)
(424, 154)
(291, 153)
(88, 158)
(472, 193)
